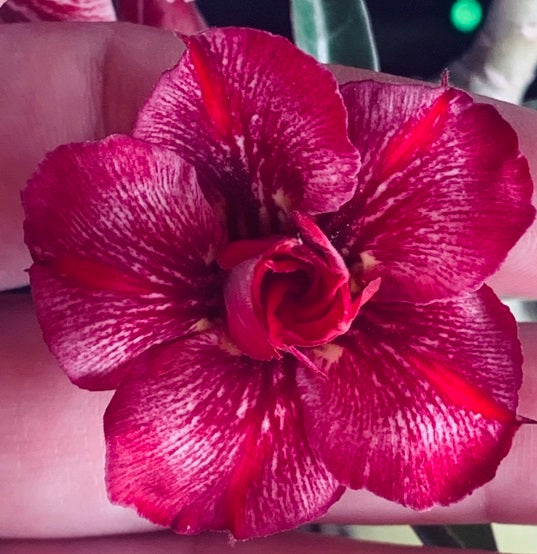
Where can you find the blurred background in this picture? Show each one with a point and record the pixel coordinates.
(414, 37)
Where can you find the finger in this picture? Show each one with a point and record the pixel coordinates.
(52, 457)
(298, 543)
(65, 83)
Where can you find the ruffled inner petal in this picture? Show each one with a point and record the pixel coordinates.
(124, 247)
(444, 192)
(419, 400)
(295, 292)
(267, 133)
(200, 437)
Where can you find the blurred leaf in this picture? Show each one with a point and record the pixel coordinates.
(530, 103)
(457, 536)
(335, 31)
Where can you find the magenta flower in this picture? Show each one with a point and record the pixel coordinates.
(178, 15)
(57, 10)
(280, 322)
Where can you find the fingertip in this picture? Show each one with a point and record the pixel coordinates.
(136, 56)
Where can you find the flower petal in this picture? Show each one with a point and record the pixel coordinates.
(124, 246)
(178, 15)
(55, 10)
(419, 402)
(200, 437)
(444, 192)
(261, 121)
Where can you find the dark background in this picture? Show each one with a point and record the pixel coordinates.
(415, 38)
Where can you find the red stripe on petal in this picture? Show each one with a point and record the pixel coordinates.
(444, 192)
(288, 148)
(214, 440)
(420, 401)
(459, 392)
(256, 451)
(107, 223)
(212, 89)
(97, 276)
(416, 135)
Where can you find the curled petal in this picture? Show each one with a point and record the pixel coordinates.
(178, 15)
(266, 132)
(124, 248)
(56, 10)
(295, 292)
(214, 441)
(425, 395)
(245, 324)
(444, 191)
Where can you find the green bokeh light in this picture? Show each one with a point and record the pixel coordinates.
(466, 15)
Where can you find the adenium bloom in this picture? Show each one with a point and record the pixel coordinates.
(177, 15)
(281, 319)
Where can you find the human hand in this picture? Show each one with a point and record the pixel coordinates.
(64, 83)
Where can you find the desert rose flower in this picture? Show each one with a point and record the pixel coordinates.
(177, 15)
(282, 311)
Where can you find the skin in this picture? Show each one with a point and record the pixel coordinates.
(71, 82)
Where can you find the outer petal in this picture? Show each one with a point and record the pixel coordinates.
(444, 192)
(56, 10)
(262, 121)
(124, 246)
(200, 437)
(177, 15)
(419, 403)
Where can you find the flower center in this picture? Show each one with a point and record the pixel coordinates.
(286, 292)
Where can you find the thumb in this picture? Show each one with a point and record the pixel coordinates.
(66, 83)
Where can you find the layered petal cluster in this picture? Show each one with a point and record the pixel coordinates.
(284, 284)
(177, 15)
